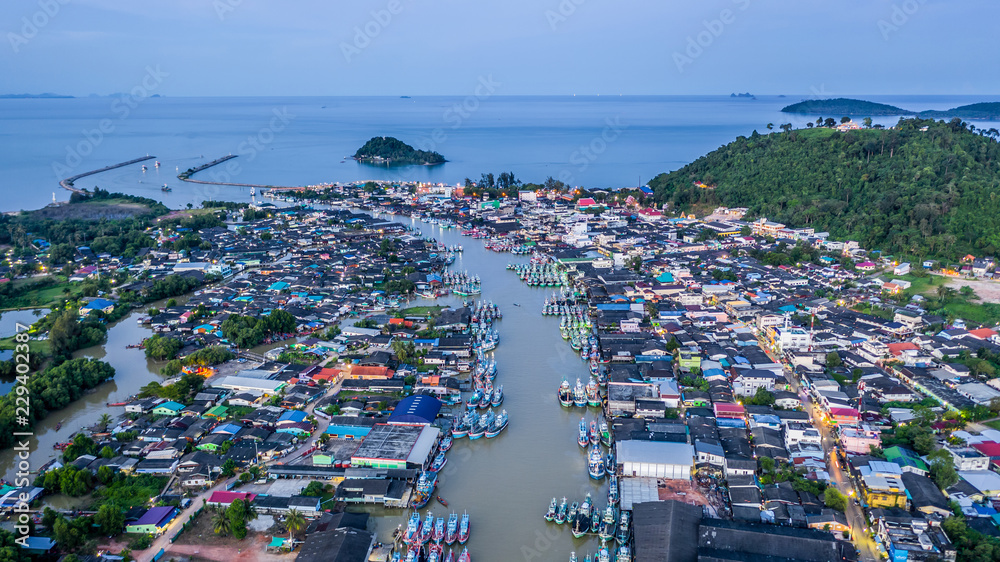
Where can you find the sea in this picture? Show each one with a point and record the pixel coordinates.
(589, 141)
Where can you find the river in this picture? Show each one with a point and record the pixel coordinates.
(132, 372)
(506, 483)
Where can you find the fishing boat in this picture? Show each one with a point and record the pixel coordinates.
(605, 434)
(439, 530)
(595, 437)
(604, 555)
(450, 557)
(442, 501)
(412, 532)
(413, 554)
(439, 461)
(586, 558)
(583, 439)
(447, 442)
(593, 394)
(497, 396)
(434, 553)
(574, 508)
(572, 557)
(498, 426)
(579, 395)
(607, 529)
(550, 514)
(464, 557)
(166, 188)
(484, 423)
(427, 529)
(485, 399)
(473, 402)
(613, 490)
(595, 464)
(624, 554)
(425, 486)
(463, 531)
(623, 529)
(58, 426)
(595, 520)
(565, 394)
(397, 556)
(451, 529)
(460, 430)
(582, 522)
(561, 512)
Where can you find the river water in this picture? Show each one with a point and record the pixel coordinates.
(132, 372)
(506, 483)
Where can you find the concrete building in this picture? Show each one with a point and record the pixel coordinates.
(655, 459)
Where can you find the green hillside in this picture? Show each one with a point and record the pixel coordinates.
(924, 193)
(844, 106)
(390, 150)
(987, 110)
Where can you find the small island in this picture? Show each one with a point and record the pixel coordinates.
(392, 151)
(844, 106)
(986, 110)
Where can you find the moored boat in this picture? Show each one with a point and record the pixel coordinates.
(497, 398)
(412, 532)
(607, 529)
(499, 424)
(427, 529)
(624, 554)
(583, 439)
(464, 557)
(595, 438)
(439, 461)
(624, 530)
(561, 512)
(451, 530)
(565, 394)
(550, 514)
(463, 531)
(595, 464)
(579, 395)
(447, 442)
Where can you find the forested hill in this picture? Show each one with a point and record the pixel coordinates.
(844, 106)
(900, 190)
(390, 150)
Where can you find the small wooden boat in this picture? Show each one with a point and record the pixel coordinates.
(442, 501)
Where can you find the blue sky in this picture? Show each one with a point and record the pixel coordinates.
(405, 47)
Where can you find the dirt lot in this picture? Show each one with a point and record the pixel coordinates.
(200, 542)
(988, 291)
(682, 491)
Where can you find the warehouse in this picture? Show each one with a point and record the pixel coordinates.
(655, 459)
(396, 446)
(249, 385)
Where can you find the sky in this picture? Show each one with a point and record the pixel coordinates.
(519, 47)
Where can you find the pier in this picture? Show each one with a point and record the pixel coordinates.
(68, 182)
(186, 176)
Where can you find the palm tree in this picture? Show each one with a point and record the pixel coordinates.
(294, 522)
(104, 421)
(221, 524)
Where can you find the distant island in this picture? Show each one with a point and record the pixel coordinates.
(743, 95)
(852, 107)
(844, 106)
(392, 151)
(45, 95)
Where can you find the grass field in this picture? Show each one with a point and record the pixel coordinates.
(41, 298)
(995, 424)
(422, 310)
(106, 209)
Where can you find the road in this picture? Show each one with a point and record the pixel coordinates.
(860, 533)
(163, 541)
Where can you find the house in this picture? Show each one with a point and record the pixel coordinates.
(168, 408)
(103, 305)
(154, 522)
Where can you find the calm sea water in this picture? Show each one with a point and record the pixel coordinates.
(590, 141)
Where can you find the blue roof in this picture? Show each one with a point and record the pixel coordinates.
(416, 409)
(293, 415)
(277, 286)
(614, 306)
(665, 277)
(98, 304)
(231, 428)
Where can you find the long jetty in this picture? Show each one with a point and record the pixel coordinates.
(68, 182)
(186, 176)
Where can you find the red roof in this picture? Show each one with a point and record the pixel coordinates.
(227, 498)
(586, 202)
(728, 409)
(844, 413)
(898, 348)
(989, 448)
(982, 333)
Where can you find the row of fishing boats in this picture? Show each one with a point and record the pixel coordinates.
(590, 435)
(541, 275)
(423, 531)
(584, 518)
(580, 396)
(473, 425)
(623, 554)
(432, 553)
(508, 246)
(485, 311)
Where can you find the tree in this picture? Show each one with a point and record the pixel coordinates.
(104, 421)
(763, 397)
(845, 119)
(770, 126)
(107, 452)
(834, 499)
(294, 522)
(110, 519)
(868, 122)
(833, 360)
(943, 469)
(228, 468)
(221, 524)
(314, 489)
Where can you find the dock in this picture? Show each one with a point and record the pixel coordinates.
(186, 176)
(68, 182)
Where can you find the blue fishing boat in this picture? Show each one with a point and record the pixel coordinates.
(583, 438)
(499, 424)
(595, 464)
